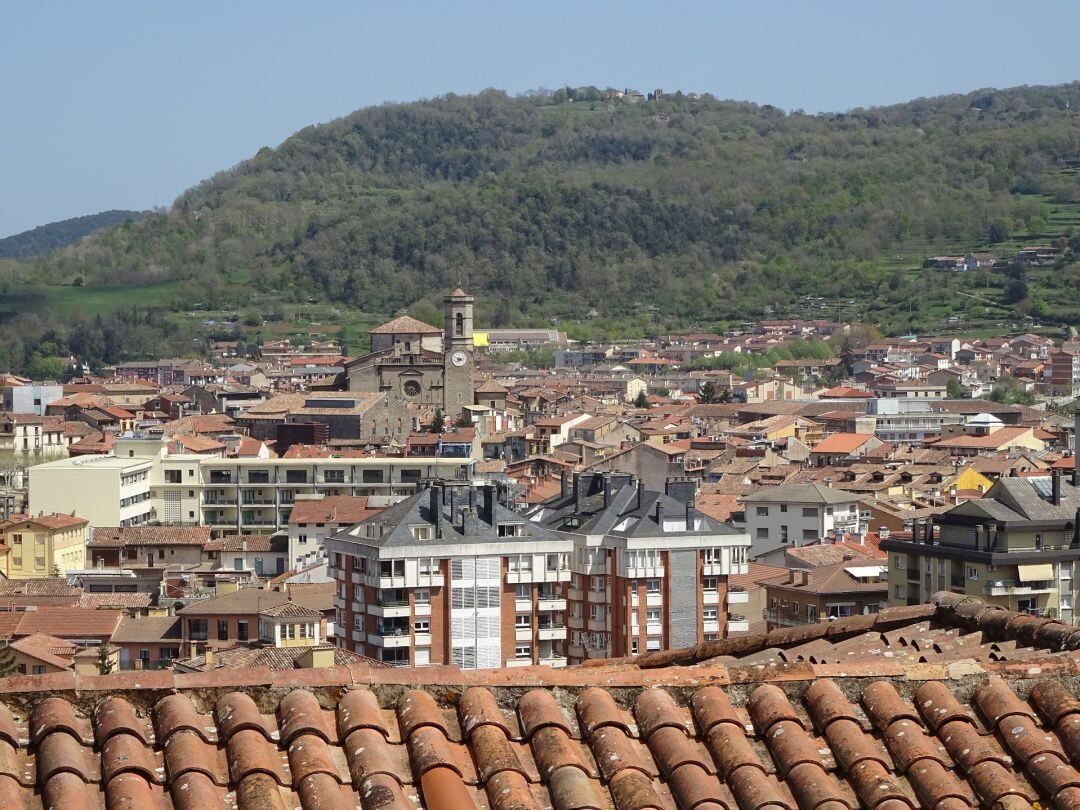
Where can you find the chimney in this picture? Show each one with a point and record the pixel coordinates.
(435, 507)
(1076, 529)
(473, 498)
(1055, 487)
(470, 522)
(991, 536)
(564, 484)
(928, 531)
(489, 503)
(690, 516)
(208, 656)
(883, 532)
(577, 492)
(659, 513)
(640, 493)
(607, 491)
(980, 534)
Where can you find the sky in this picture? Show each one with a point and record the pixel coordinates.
(126, 104)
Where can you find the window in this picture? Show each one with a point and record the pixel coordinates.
(652, 585)
(596, 612)
(334, 476)
(708, 584)
(973, 573)
(422, 626)
(633, 646)
(652, 616)
(242, 630)
(783, 534)
(38, 669)
(1066, 569)
(223, 629)
(422, 596)
(762, 511)
(16, 539)
(811, 613)
(762, 534)
(898, 562)
(596, 584)
(709, 614)
(652, 643)
(523, 591)
(1065, 601)
(794, 607)
(173, 477)
(900, 592)
(783, 508)
(809, 512)
(522, 651)
(301, 538)
(391, 568)
(522, 620)
(197, 629)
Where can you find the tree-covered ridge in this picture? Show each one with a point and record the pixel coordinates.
(45, 238)
(551, 204)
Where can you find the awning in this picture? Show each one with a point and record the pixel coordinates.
(1035, 573)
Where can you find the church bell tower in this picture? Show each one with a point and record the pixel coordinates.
(457, 352)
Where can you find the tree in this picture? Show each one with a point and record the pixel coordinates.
(463, 421)
(641, 401)
(707, 395)
(7, 662)
(955, 389)
(438, 424)
(725, 396)
(56, 570)
(104, 662)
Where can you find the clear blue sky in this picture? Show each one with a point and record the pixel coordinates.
(125, 104)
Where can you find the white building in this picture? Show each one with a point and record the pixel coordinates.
(791, 515)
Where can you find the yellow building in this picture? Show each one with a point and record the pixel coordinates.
(972, 480)
(39, 546)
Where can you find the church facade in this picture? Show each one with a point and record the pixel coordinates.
(420, 362)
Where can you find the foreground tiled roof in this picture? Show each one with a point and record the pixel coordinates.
(708, 737)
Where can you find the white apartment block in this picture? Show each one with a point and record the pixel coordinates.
(792, 515)
(233, 496)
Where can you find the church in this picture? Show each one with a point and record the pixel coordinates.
(420, 362)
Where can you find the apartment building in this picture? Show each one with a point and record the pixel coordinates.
(140, 482)
(37, 546)
(315, 517)
(648, 571)
(107, 490)
(451, 576)
(1017, 547)
(778, 518)
(851, 588)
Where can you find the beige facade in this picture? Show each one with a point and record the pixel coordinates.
(40, 547)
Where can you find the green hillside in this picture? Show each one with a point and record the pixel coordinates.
(680, 211)
(44, 238)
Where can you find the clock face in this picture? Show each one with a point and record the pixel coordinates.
(459, 358)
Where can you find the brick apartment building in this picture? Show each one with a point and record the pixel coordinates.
(606, 568)
(451, 575)
(648, 570)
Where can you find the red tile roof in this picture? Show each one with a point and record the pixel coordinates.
(340, 509)
(841, 443)
(69, 622)
(54, 521)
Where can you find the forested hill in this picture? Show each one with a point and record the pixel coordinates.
(553, 204)
(55, 235)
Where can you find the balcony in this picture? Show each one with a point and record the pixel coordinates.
(554, 661)
(957, 581)
(1014, 588)
(737, 596)
(522, 634)
(780, 619)
(574, 594)
(598, 596)
(597, 625)
(551, 632)
(390, 637)
(518, 662)
(422, 609)
(710, 626)
(737, 623)
(653, 600)
(553, 603)
(422, 639)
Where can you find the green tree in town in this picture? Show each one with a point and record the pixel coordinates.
(438, 423)
(641, 401)
(707, 395)
(104, 662)
(7, 662)
(955, 389)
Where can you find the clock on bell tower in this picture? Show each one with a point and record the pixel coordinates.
(457, 352)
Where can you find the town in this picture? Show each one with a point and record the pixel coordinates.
(430, 503)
